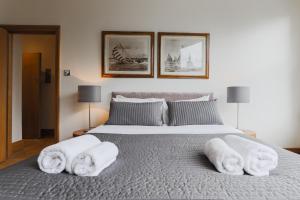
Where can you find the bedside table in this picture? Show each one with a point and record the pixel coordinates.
(80, 132)
(249, 133)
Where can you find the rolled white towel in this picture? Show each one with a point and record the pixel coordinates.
(55, 158)
(94, 160)
(259, 159)
(224, 158)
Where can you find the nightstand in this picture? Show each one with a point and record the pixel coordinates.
(249, 133)
(80, 132)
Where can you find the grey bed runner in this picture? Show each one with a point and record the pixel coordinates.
(154, 167)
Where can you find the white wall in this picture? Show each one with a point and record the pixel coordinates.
(253, 42)
(44, 44)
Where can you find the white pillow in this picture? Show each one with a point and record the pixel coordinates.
(165, 117)
(203, 98)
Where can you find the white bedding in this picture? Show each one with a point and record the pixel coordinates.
(190, 129)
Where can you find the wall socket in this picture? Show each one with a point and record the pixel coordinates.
(67, 72)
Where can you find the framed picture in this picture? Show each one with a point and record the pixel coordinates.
(127, 54)
(183, 55)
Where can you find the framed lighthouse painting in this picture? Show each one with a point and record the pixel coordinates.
(127, 54)
(183, 55)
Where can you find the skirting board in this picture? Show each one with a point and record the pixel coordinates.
(17, 146)
(295, 150)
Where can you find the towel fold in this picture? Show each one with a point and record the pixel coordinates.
(94, 160)
(224, 158)
(259, 159)
(57, 157)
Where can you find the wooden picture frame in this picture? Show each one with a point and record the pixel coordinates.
(127, 54)
(174, 61)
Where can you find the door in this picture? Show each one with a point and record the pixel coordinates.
(3, 92)
(31, 69)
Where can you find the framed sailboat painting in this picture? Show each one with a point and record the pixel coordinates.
(183, 55)
(127, 54)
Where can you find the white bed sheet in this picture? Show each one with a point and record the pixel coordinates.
(190, 129)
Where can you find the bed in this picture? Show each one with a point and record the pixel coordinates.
(155, 163)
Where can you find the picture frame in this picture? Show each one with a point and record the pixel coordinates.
(183, 55)
(127, 54)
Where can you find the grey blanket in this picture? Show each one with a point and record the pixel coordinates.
(154, 167)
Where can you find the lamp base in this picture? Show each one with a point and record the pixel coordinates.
(89, 116)
(237, 115)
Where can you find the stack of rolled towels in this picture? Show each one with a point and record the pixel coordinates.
(84, 156)
(234, 154)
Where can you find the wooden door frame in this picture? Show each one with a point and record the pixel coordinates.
(32, 29)
(3, 96)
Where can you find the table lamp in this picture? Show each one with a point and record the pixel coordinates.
(89, 94)
(238, 95)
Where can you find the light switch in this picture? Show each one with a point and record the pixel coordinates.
(67, 72)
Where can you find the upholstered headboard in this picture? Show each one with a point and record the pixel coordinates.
(169, 96)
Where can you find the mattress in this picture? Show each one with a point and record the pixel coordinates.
(154, 166)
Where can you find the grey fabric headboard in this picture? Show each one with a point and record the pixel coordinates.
(169, 96)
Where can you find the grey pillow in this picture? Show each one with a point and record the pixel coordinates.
(194, 113)
(127, 113)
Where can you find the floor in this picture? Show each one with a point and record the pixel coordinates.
(31, 148)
